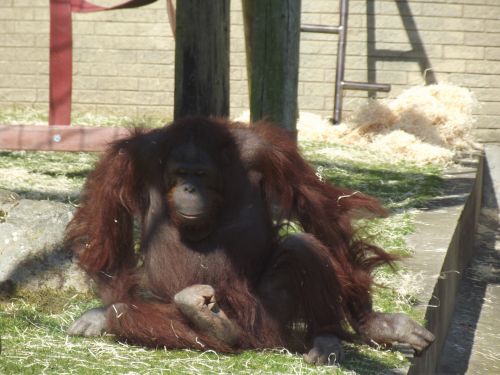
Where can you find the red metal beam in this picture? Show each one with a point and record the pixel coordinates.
(58, 138)
(61, 47)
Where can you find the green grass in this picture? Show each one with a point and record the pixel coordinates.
(45, 175)
(398, 184)
(35, 342)
(33, 326)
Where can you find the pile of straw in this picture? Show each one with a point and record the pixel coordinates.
(425, 124)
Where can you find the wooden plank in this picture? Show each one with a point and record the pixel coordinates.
(58, 138)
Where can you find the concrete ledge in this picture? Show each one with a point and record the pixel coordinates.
(444, 245)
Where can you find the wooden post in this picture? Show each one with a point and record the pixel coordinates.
(202, 58)
(272, 34)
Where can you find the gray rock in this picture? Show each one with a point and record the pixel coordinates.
(31, 251)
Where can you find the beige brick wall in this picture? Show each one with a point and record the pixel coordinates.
(124, 60)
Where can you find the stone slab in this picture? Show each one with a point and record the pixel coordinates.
(473, 342)
(443, 244)
(31, 251)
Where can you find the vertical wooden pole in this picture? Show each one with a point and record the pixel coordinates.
(202, 58)
(272, 34)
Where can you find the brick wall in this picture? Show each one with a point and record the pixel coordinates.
(124, 60)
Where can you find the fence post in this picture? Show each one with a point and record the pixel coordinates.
(272, 35)
(202, 58)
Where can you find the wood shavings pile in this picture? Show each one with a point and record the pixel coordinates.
(425, 124)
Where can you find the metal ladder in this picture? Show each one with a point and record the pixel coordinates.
(340, 83)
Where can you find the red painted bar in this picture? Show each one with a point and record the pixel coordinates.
(61, 47)
(58, 138)
(60, 62)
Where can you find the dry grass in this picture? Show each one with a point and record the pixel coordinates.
(425, 124)
(35, 342)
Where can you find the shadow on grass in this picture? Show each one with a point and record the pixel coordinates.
(362, 360)
(402, 189)
(45, 175)
(71, 174)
